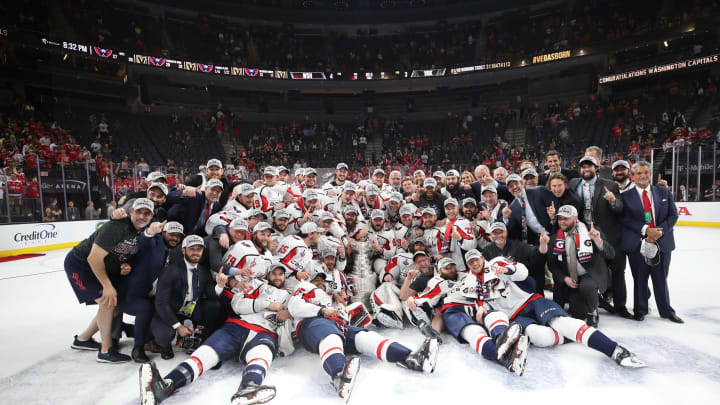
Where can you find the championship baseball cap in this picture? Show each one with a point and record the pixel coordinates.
(490, 188)
(430, 182)
(214, 183)
(161, 186)
(261, 226)
(445, 261)
(299, 172)
(372, 189)
(567, 211)
(469, 200)
(154, 176)
(397, 197)
(514, 177)
(281, 213)
(449, 201)
(377, 214)
(173, 227)
(439, 173)
(255, 211)
(498, 226)
(310, 194)
(472, 254)
(378, 171)
(589, 159)
(214, 162)
(623, 163)
(351, 208)
(529, 172)
(341, 166)
(418, 254)
(309, 171)
(349, 186)
(239, 224)
(246, 189)
(328, 251)
(309, 227)
(270, 170)
(420, 239)
(281, 169)
(325, 216)
(192, 240)
(405, 210)
(452, 172)
(140, 203)
(419, 172)
(428, 210)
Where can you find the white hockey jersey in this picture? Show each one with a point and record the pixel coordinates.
(398, 267)
(250, 305)
(219, 218)
(266, 197)
(294, 254)
(306, 302)
(505, 295)
(450, 293)
(237, 207)
(454, 248)
(244, 254)
(385, 239)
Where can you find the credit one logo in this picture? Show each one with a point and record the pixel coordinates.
(40, 232)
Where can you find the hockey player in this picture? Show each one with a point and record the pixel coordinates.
(268, 198)
(392, 213)
(431, 233)
(378, 179)
(464, 315)
(322, 328)
(402, 228)
(545, 322)
(334, 188)
(301, 211)
(457, 235)
(250, 330)
(218, 243)
(355, 228)
(346, 198)
(371, 200)
(295, 254)
(309, 182)
(385, 301)
(243, 199)
(381, 239)
(250, 254)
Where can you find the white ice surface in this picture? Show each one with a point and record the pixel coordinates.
(40, 315)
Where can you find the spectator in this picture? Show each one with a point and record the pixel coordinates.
(91, 212)
(73, 212)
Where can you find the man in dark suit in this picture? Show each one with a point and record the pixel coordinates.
(602, 206)
(604, 172)
(649, 214)
(578, 265)
(159, 245)
(192, 208)
(553, 160)
(527, 214)
(185, 291)
(484, 179)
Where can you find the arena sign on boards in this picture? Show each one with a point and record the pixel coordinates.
(669, 67)
(17, 239)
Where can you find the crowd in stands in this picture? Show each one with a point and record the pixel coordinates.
(512, 35)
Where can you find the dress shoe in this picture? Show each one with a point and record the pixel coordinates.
(593, 319)
(639, 317)
(167, 353)
(623, 312)
(604, 303)
(138, 355)
(674, 318)
(153, 347)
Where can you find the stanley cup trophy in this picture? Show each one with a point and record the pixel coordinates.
(363, 277)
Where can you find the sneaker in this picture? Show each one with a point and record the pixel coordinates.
(153, 388)
(625, 358)
(89, 344)
(507, 339)
(112, 356)
(249, 394)
(424, 358)
(344, 381)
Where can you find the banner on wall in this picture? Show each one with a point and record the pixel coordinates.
(31, 238)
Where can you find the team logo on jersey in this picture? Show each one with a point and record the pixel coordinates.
(103, 53)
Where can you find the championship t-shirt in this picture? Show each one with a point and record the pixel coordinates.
(118, 238)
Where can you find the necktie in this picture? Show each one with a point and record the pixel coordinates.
(588, 202)
(524, 220)
(195, 283)
(649, 220)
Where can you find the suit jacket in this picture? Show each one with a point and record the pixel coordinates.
(173, 286)
(196, 180)
(147, 265)
(536, 198)
(187, 210)
(596, 267)
(605, 172)
(570, 174)
(633, 219)
(606, 217)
